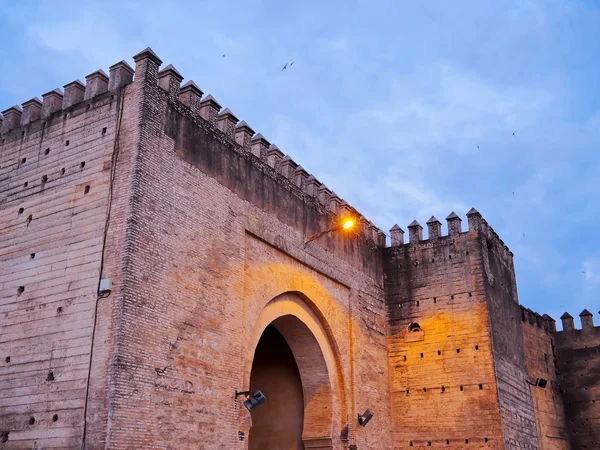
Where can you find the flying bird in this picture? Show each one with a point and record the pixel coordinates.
(513, 193)
(478, 146)
(284, 67)
(292, 63)
(225, 54)
(514, 134)
(523, 234)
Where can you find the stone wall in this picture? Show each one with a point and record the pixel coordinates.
(215, 236)
(541, 357)
(578, 355)
(55, 172)
(443, 387)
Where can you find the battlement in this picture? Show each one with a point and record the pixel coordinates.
(15, 122)
(587, 322)
(476, 224)
(535, 319)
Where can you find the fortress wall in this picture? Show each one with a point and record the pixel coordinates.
(55, 159)
(216, 230)
(540, 354)
(443, 387)
(578, 356)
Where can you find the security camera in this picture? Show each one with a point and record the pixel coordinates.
(365, 418)
(253, 400)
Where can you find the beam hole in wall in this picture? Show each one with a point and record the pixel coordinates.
(428, 443)
(4, 436)
(47, 151)
(416, 263)
(410, 443)
(20, 290)
(443, 389)
(485, 439)
(50, 376)
(67, 143)
(23, 133)
(452, 297)
(82, 164)
(414, 327)
(59, 310)
(432, 259)
(449, 256)
(439, 352)
(458, 350)
(434, 299)
(55, 418)
(86, 189)
(407, 391)
(481, 387)
(29, 219)
(418, 303)
(424, 389)
(421, 355)
(62, 171)
(477, 347)
(447, 441)
(44, 179)
(466, 441)
(31, 255)
(21, 210)
(470, 295)
(467, 252)
(31, 420)
(104, 131)
(461, 388)
(23, 160)
(404, 357)
(7, 360)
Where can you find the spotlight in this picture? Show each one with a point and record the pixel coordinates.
(365, 418)
(253, 400)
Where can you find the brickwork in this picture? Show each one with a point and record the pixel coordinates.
(578, 352)
(443, 388)
(202, 226)
(540, 353)
(54, 182)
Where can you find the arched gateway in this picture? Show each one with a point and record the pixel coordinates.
(293, 362)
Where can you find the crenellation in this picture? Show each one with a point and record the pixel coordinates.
(209, 108)
(334, 203)
(567, 322)
(74, 93)
(191, 96)
(12, 118)
(120, 74)
(259, 146)
(454, 224)
(288, 168)
(415, 232)
(32, 111)
(312, 185)
(300, 177)
(434, 228)
(170, 80)
(95, 83)
(587, 320)
(226, 122)
(397, 235)
(52, 101)
(274, 157)
(323, 193)
(243, 134)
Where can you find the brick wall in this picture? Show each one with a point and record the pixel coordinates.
(578, 355)
(540, 354)
(212, 236)
(443, 388)
(54, 183)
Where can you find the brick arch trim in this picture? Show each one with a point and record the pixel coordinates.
(317, 359)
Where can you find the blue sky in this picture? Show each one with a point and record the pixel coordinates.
(405, 109)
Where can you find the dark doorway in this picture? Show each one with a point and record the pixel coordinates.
(276, 425)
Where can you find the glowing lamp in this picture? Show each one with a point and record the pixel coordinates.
(348, 224)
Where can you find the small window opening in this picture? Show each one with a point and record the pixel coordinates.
(424, 389)
(44, 179)
(481, 387)
(7, 360)
(23, 160)
(443, 389)
(59, 310)
(421, 355)
(434, 299)
(31, 255)
(466, 441)
(82, 165)
(67, 143)
(62, 171)
(485, 439)
(477, 347)
(470, 295)
(31, 420)
(47, 151)
(439, 352)
(414, 327)
(20, 290)
(452, 297)
(104, 130)
(458, 350)
(25, 184)
(461, 388)
(449, 256)
(54, 417)
(86, 189)
(50, 376)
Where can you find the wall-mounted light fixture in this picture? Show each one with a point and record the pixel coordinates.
(253, 399)
(346, 224)
(364, 418)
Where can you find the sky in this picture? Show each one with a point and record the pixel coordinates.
(405, 109)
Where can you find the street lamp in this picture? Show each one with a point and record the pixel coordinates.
(346, 224)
